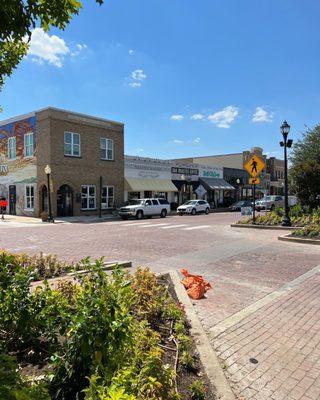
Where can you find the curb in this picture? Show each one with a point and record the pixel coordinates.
(275, 227)
(108, 266)
(299, 240)
(208, 356)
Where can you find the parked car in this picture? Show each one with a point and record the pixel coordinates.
(270, 203)
(239, 204)
(194, 206)
(145, 208)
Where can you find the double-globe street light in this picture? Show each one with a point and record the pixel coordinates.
(47, 171)
(286, 143)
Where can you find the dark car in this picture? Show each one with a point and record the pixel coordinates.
(239, 204)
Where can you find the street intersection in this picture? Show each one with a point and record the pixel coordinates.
(265, 300)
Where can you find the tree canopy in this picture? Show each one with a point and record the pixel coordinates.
(305, 168)
(19, 17)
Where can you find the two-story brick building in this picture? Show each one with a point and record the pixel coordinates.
(85, 154)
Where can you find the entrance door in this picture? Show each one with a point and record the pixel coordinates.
(65, 201)
(12, 199)
(44, 199)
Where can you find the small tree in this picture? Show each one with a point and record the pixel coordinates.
(305, 168)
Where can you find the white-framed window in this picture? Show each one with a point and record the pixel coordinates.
(88, 197)
(106, 149)
(28, 144)
(107, 197)
(72, 144)
(12, 152)
(29, 197)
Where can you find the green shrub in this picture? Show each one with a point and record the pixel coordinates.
(197, 390)
(309, 231)
(13, 387)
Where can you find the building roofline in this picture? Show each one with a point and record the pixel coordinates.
(33, 113)
(211, 155)
(17, 118)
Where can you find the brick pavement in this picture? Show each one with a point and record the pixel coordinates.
(284, 338)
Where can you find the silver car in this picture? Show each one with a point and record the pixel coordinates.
(269, 203)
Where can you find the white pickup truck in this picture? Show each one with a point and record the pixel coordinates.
(145, 208)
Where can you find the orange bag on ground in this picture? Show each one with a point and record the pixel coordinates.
(195, 284)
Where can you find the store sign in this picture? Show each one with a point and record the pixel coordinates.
(184, 171)
(211, 174)
(4, 169)
(148, 174)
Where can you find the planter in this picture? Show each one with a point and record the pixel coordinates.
(274, 227)
(302, 240)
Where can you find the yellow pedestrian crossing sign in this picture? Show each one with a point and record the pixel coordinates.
(255, 165)
(254, 181)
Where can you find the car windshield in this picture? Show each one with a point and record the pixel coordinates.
(135, 202)
(190, 202)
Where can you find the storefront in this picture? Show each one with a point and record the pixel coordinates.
(148, 177)
(200, 181)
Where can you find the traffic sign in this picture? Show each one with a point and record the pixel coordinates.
(254, 181)
(201, 191)
(255, 165)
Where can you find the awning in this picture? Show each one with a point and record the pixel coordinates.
(154, 185)
(216, 183)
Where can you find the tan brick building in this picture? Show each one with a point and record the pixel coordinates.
(85, 154)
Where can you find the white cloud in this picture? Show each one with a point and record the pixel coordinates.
(261, 115)
(138, 75)
(197, 117)
(193, 141)
(177, 117)
(225, 117)
(178, 141)
(44, 47)
(131, 52)
(79, 49)
(136, 151)
(135, 84)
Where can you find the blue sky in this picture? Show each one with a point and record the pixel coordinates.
(186, 77)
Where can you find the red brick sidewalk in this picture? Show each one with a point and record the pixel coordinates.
(284, 338)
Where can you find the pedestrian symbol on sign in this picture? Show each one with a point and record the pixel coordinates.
(254, 166)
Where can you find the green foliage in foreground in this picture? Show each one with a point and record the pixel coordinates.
(99, 334)
(299, 217)
(311, 231)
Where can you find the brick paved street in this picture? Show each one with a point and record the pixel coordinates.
(246, 267)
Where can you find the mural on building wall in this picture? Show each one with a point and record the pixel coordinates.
(20, 170)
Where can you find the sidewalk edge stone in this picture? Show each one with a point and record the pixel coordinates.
(207, 354)
(299, 240)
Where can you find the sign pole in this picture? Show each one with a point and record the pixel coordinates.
(254, 203)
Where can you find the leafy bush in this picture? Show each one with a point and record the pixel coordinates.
(13, 387)
(197, 390)
(310, 231)
(99, 333)
(299, 217)
(43, 266)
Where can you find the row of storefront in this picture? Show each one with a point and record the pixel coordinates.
(89, 173)
(148, 177)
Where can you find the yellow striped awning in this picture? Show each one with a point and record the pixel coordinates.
(154, 185)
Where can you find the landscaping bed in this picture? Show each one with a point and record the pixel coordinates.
(101, 337)
(298, 216)
(311, 231)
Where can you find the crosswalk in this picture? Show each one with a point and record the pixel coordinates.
(163, 226)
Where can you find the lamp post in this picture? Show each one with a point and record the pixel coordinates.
(286, 143)
(47, 170)
(239, 189)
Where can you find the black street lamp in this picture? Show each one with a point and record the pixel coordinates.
(47, 170)
(285, 129)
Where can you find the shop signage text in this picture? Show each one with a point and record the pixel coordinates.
(186, 171)
(211, 174)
